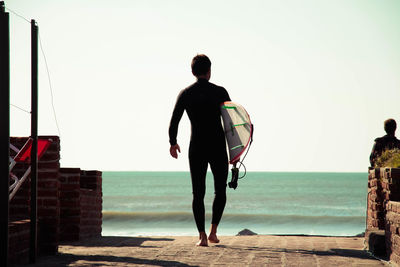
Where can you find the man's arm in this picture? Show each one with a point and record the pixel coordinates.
(173, 125)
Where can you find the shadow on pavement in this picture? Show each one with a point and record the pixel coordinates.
(350, 253)
(115, 241)
(65, 259)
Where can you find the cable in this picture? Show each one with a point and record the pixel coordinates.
(18, 15)
(24, 110)
(50, 86)
(47, 70)
(248, 148)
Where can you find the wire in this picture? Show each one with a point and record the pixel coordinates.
(22, 17)
(248, 148)
(24, 110)
(18, 15)
(47, 70)
(50, 86)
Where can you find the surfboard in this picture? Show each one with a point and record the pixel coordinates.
(238, 129)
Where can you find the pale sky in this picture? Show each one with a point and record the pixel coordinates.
(318, 77)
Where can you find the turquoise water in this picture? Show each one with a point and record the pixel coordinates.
(159, 203)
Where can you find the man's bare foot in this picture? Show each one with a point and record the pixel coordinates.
(203, 240)
(213, 234)
(213, 238)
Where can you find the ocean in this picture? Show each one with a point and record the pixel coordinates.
(285, 203)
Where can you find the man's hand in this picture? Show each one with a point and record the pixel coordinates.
(173, 150)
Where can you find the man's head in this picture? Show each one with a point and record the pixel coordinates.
(390, 126)
(201, 66)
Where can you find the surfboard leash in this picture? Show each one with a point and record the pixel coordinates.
(241, 162)
(235, 170)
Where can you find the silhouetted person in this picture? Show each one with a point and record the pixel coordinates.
(387, 142)
(202, 101)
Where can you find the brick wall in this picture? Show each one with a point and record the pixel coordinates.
(19, 232)
(70, 204)
(81, 204)
(383, 210)
(91, 204)
(375, 199)
(392, 232)
(48, 211)
(48, 198)
(63, 208)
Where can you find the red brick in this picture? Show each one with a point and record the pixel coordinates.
(48, 193)
(70, 170)
(70, 203)
(43, 212)
(91, 173)
(50, 202)
(70, 187)
(73, 179)
(71, 221)
(69, 194)
(49, 174)
(48, 184)
(48, 165)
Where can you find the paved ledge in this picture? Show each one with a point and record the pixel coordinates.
(259, 250)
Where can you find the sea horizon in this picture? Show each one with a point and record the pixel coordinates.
(155, 203)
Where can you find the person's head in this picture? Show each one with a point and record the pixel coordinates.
(201, 66)
(390, 126)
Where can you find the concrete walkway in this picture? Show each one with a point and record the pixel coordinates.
(260, 250)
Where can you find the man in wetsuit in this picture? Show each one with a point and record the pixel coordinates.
(387, 142)
(202, 101)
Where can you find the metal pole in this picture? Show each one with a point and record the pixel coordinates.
(34, 135)
(4, 131)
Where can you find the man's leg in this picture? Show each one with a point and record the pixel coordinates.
(198, 171)
(219, 168)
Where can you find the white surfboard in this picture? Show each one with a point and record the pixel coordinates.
(238, 129)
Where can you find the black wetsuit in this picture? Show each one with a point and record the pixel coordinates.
(381, 144)
(202, 101)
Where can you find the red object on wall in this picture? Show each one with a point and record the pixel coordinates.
(24, 155)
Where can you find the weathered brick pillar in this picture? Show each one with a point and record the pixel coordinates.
(48, 195)
(70, 211)
(392, 232)
(19, 233)
(375, 201)
(81, 204)
(91, 204)
(48, 208)
(69, 203)
(391, 187)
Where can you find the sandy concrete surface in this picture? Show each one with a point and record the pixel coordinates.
(259, 250)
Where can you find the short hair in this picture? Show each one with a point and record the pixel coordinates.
(201, 64)
(390, 126)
